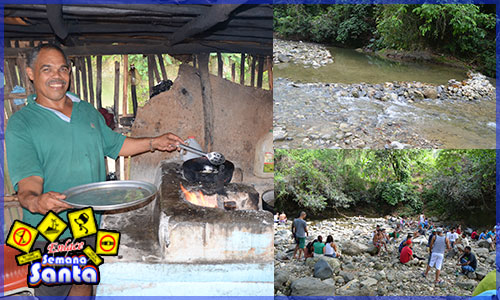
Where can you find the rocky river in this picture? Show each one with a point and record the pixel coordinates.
(359, 273)
(389, 114)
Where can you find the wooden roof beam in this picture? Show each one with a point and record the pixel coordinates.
(56, 21)
(214, 15)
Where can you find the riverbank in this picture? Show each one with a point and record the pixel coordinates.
(358, 273)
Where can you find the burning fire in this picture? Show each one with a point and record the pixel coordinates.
(198, 198)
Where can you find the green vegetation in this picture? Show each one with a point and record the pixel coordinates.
(464, 31)
(451, 184)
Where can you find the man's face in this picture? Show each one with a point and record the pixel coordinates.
(50, 75)
(467, 251)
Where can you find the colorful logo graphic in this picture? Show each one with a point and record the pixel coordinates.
(72, 261)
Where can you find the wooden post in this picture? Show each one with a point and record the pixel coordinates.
(150, 75)
(220, 65)
(98, 90)
(23, 76)
(252, 71)
(162, 67)
(117, 167)
(155, 69)
(117, 90)
(208, 107)
(8, 80)
(77, 76)
(84, 78)
(194, 61)
(233, 72)
(260, 73)
(72, 85)
(132, 90)
(270, 72)
(125, 84)
(91, 80)
(242, 69)
(12, 71)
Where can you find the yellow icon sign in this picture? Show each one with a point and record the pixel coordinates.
(82, 223)
(51, 227)
(92, 255)
(23, 259)
(21, 236)
(107, 242)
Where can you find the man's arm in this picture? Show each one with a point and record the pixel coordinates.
(432, 244)
(31, 196)
(134, 146)
(447, 244)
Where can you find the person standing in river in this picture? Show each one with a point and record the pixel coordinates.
(299, 231)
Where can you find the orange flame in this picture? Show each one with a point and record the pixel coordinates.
(198, 198)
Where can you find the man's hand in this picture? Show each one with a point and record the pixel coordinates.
(51, 201)
(31, 196)
(167, 142)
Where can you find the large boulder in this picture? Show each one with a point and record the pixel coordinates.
(280, 279)
(322, 269)
(481, 273)
(348, 276)
(484, 244)
(467, 284)
(482, 252)
(430, 93)
(352, 248)
(310, 286)
(333, 262)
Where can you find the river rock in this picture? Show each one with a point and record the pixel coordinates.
(481, 273)
(484, 244)
(348, 276)
(467, 284)
(322, 269)
(283, 58)
(310, 286)
(430, 93)
(280, 278)
(482, 252)
(369, 282)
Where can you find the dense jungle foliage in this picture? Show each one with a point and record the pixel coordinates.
(451, 184)
(463, 31)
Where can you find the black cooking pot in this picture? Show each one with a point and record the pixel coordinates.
(201, 170)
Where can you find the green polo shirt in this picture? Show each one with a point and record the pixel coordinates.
(64, 154)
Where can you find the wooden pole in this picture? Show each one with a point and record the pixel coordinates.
(12, 71)
(132, 90)
(270, 72)
(260, 73)
(155, 69)
(220, 65)
(77, 76)
(84, 78)
(99, 81)
(252, 71)
(233, 72)
(150, 75)
(73, 83)
(117, 90)
(125, 85)
(242, 69)
(208, 107)
(91, 80)
(162, 67)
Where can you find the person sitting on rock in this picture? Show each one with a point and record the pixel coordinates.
(482, 235)
(468, 261)
(395, 234)
(375, 231)
(309, 250)
(402, 222)
(474, 235)
(452, 236)
(330, 248)
(490, 237)
(283, 219)
(406, 255)
(459, 229)
(462, 242)
(319, 245)
(385, 236)
(378, 242)
(404, 242)
(276, 217)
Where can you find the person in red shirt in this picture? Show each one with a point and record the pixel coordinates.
(407, 253)
(474, 235)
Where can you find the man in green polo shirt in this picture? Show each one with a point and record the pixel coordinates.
(58, 141)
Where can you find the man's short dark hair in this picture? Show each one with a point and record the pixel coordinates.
(468, 248)
(33, 54)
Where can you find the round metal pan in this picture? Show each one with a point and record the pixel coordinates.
(110, 195)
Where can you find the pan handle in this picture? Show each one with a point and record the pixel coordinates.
(196, 151)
